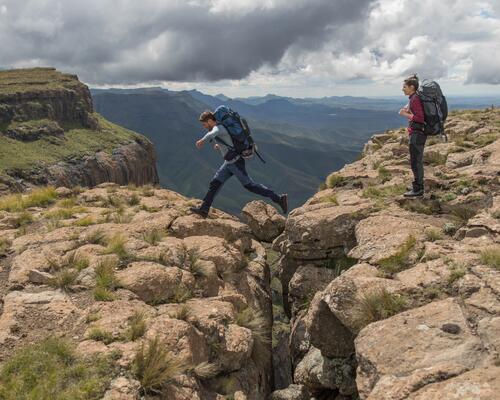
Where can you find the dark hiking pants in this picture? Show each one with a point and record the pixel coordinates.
(226, 171)
(417, 143)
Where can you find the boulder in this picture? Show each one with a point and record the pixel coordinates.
(154, 282)
(264, 220)
(400, 349)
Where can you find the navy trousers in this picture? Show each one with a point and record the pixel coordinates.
(238, 169)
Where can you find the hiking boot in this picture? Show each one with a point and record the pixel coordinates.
(283, 202)
(412, 193)
(202, 213)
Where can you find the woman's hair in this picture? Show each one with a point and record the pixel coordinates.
(412, 81)
(206, 115)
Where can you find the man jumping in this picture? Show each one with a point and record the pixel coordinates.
(233, 166)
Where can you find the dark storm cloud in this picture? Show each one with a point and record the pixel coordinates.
(138, 41)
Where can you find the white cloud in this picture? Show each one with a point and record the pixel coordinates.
(258, 45)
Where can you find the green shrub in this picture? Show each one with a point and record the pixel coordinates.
(376, 305)
(334, 180)
(155, 366)
(51, 370)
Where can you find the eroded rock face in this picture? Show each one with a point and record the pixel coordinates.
(142, 268)
(419, 309)
(40, 103)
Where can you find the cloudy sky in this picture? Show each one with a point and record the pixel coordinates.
(253, 47)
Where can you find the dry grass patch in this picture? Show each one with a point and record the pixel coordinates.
(400, 260)
(37, 198)
(491, 257)
(155, 366)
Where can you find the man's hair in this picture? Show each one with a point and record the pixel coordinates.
(206, 115)
(412, 81)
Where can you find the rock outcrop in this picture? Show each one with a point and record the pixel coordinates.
(114, 268)
(50, 135)
(400, 296)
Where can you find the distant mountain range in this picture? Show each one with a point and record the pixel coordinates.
(302, 140)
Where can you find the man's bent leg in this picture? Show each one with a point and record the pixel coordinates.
(220, 177)
(239, 170)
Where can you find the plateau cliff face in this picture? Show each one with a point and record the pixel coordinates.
(50, 134)
(391, 298)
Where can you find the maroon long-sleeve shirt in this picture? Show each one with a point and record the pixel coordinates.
(417, 109)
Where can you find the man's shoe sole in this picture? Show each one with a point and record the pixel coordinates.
(413, 196)
(198, 212)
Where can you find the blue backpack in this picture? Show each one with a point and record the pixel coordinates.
(241, 137)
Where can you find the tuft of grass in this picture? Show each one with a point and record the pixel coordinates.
(181, 294)
(383, 192)
(384, 174)
(137, 326)
(103, 294)
(334, 180)
(496, 214)
(153, 237)
(96, 236)
(400, 260)
(435, 158)
(154, 366)
(105, 276)
(339, 264)
(85, 221)
(456, 272)
(133, 200)
(419, 206)
(377, 305)
(181, 313)
(462, 214)
(64, 279)
(100, 335)
(433, 234)
(329, 199)
(148, 190)
(50, 370)
(23, 219)
(491, 257)
(4, 246)
(255, 321)
(206, 370)
(116, 245)
(37, 198)
(448, 197)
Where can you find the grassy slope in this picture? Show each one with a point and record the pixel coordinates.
(34, 79)
(78, 142)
